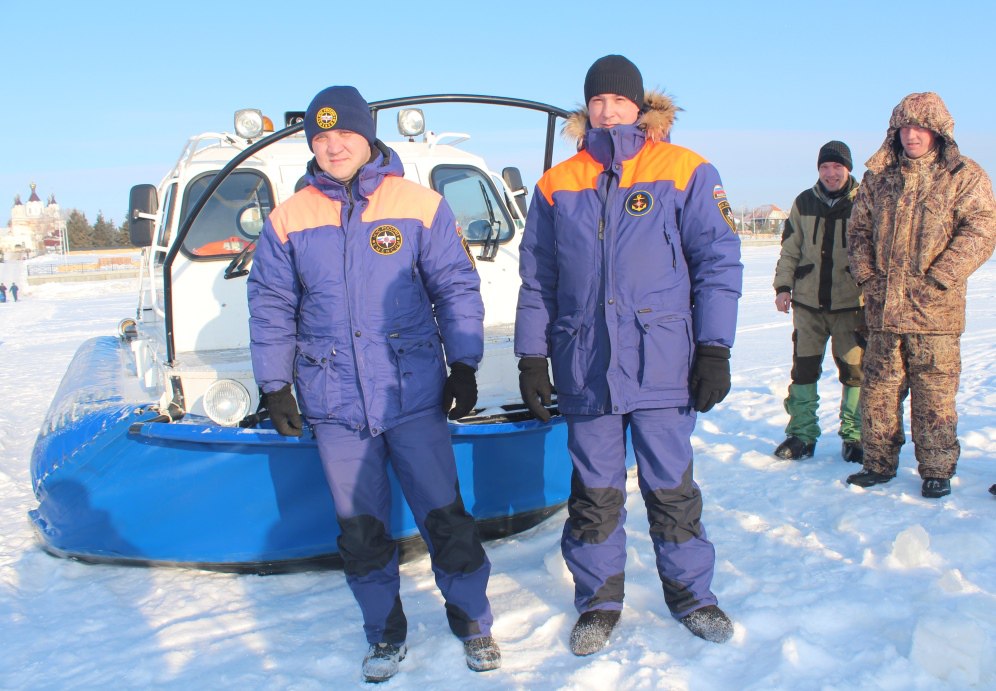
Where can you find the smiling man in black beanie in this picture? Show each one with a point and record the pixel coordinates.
(630, 280)
(813, 276)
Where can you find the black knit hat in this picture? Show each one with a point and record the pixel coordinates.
(340, 108)
(835, 152)
(614, 74)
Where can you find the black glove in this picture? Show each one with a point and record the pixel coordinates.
(283, 411)
(462, 386)
(535, 387)
(710, 376)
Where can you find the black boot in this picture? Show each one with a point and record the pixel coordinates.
(867, 478)
(710, 623)
(935, 488)
(592, 630)
(795, 449)
(992, 490)
(852, 452)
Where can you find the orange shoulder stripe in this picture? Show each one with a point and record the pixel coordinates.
(580, 172)
(657, 161)
(661, 161)
(400, 198)
(308, 208)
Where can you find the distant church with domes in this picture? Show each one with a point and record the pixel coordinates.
(34, 228)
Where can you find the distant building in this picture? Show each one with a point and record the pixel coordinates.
(34, 228)
(767, 219)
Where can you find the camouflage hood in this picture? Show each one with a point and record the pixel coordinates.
(656, 119)
(925, 110)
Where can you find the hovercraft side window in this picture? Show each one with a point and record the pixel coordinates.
(480, 216)
(232, 218)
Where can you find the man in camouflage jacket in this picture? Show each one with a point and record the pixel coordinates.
(812, 275)
(923, 221)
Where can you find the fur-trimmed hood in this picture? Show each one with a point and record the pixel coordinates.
(925, 110)
(658, 115)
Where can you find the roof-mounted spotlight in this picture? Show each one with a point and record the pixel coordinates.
(250, 123)
(411, 122)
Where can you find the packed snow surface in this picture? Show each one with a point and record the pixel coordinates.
(829, 586)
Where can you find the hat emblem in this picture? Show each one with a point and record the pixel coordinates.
(326, 118)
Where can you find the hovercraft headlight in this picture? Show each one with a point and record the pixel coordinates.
(411, 122)
(226, 402)
(251, 123)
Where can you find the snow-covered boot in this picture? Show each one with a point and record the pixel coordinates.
(382, 660)
(935, 488)
(482, 654)
(592, 630)
(710, 623)
(795, 449)
(868, 478)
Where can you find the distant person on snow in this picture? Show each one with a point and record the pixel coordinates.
(13, 291)
(359, 280)
(924, 220)
(631, 276)
(812, 275)
(3, 292)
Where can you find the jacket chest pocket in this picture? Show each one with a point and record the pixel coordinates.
(319, 386)
(421, 372)
(665, 350)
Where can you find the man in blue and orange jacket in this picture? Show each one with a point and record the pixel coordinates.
(357, 281)
(630, 280)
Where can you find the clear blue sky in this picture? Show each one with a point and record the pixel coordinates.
(100, 96)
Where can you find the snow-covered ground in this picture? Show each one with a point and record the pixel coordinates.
(830, 586)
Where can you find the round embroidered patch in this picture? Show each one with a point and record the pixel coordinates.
(385, 240)
(639, 203)
(326, 118)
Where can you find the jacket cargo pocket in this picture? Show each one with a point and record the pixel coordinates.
(665, 350)
(421, 371)
(566, 354)
(318, 386)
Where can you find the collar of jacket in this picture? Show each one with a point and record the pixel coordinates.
(916, 166)
(850, 193)
(614, 144)
(383, 163)
(656, 119)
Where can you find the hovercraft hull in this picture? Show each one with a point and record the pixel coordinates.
(115, 486)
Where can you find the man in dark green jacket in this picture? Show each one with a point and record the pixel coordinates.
(813, 276)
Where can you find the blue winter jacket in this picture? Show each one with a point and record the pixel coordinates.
(353, 292)
(628, 260)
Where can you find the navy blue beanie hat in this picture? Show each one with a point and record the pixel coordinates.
(614, 74)
(339, 108)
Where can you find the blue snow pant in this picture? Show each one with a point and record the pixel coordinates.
(594, 539)
(355, 465)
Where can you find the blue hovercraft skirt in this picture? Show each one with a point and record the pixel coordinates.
(113, 486)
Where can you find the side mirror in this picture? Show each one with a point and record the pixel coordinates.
(513, 178)
(250, 221)
(143, 203)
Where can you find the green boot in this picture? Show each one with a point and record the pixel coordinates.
(802, 404)
(850, 413)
